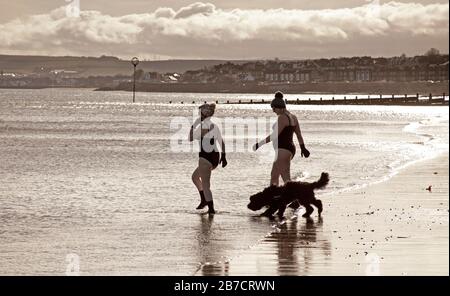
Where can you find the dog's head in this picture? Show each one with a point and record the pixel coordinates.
(263, 198)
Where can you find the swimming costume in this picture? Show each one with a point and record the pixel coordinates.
(285, 138)
(211, 154)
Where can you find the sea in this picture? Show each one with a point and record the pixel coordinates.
(94, 184)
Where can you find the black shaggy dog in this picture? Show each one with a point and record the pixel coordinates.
(277, 198)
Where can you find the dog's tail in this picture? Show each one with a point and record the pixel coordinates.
(322, 182)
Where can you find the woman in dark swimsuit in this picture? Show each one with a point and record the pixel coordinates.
(282, 137)
(208, 135)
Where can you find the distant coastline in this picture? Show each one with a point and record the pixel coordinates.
(384, 88)
(421, 74)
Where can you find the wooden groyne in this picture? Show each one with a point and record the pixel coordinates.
(393, 100)
(405, 100)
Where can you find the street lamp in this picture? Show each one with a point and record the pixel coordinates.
(134, 62)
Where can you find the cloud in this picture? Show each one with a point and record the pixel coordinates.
(165, 12)
(196, 8)
(201, 30)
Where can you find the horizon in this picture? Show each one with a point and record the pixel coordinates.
(218, 59)
(225, 30)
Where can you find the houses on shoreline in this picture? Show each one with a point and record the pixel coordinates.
(430, 67)
(357, 69)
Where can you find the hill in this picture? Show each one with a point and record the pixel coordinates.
(97, 66)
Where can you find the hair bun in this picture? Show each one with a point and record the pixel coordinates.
(279, 95)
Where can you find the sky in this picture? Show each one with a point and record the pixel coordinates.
(223, 29)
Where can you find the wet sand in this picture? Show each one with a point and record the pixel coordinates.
(396, 227)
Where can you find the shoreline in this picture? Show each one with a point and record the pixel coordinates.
(396, 171)
(385, 228)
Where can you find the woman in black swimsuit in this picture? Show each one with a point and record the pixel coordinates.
(282, 137)
(208, 135)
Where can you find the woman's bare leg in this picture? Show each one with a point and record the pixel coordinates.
(281, 167)
(285, 160)
(198, 183)
(197, 180)
(204, 169)
(275, 173)
(285, 157)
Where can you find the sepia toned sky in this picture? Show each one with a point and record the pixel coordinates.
(223, 29)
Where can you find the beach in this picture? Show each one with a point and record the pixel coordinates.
(394, 228)
(91, 178)
(156, 139)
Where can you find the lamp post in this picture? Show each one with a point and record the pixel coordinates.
(134, 62)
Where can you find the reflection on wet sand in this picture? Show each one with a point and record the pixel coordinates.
(296, 247)
(290, 249)
(209, 247)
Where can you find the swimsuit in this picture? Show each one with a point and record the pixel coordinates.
(285, 138)
(210, 154)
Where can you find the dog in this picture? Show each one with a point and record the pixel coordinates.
(277, 198)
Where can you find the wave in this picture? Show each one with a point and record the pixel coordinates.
(435, 149)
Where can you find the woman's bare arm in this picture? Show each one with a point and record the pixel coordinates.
(191, 131)
(191, 134)
(282, 122)
(223, 158)
(305, 153)
(298, 133)
(219, 138)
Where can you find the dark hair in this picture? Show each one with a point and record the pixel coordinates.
(211, 108)
(279, 95)
(278, 101)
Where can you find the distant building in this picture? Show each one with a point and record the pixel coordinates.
(355, 69)
(152, 77)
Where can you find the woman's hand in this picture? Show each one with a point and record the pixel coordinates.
(305, 153)
(223, 160)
